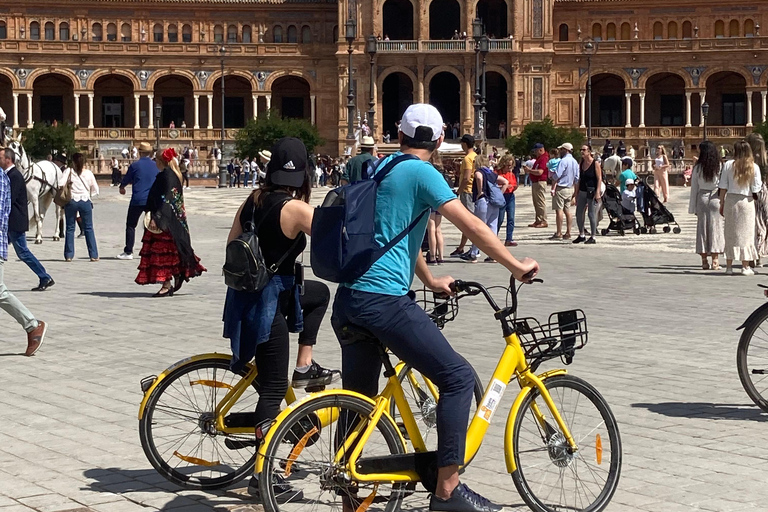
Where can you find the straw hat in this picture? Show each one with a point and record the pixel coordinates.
(265, 155)
(145, 147)
(368, 142)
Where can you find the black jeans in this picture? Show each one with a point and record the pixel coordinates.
(405, 329)
(272, 355)
(185, 179)
(134, 214)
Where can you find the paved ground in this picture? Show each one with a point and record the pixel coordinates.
(662, 351)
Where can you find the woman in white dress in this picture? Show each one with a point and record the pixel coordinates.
(705, 203)
(661, 174)
(739, 181)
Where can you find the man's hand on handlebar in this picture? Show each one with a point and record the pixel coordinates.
(441, 285)
(528, 269)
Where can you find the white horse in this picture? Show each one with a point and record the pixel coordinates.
(42, 179)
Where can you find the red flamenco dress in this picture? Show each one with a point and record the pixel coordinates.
(167, 254)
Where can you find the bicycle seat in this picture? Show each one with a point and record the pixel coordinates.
(351, 334)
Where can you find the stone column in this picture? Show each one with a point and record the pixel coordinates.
(210, 111)
(702, 99)
(90, 110)
(749, 108)
(16, 110)
(628, 110)
(29, 110)
(77, 109)
(151, 98)
(136, 111)
(582, 110)
(256, 106)
(197, 112)
(268, 97)
(764, 94)
(312, 99)
(688, 109)
(642, 110)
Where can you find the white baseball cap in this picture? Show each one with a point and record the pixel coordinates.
(567, 146)
(425, 116)
(629, 181)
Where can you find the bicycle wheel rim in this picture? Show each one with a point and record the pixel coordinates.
(178, 432)
(752, 360)
(310, 470)
(548, 477)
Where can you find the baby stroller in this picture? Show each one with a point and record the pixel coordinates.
(654, 212)
(621, 219)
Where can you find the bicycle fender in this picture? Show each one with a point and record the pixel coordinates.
(288, 410)
(758, 311)
(175, 366)
(509, 443)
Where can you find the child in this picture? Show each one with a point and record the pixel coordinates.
(626, 173)
(554, 160)
(628, 196)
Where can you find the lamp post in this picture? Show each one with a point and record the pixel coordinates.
(158, 113)
(477, 34)
(350, 33)
(484, 48)
(705, 114)
(371, 49)
(588, 48)
(222, 165)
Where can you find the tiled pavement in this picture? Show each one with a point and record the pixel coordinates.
(662, 351)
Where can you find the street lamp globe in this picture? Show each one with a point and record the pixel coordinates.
(350, 30)
(158, 113)
(477, 29)
(705, 109)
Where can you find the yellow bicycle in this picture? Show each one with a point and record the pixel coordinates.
(562, 444)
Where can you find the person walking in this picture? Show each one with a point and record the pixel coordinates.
(539, 176)
(166, 251)
(466, 177)
(587, 193)
(661, 174)
(504, 169)
(35, 329)
(757, 144)
(84, 187)
(705, 204)
(485, 210)
(739, 179)
(358, 165)
(566, 176)
(141, 175)
(18, 221)
(435, 240)
(116, 174)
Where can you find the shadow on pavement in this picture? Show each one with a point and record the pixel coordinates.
(705, 410)
(119, 295)
(126, 481)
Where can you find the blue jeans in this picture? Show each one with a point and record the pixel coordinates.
(406, 330)
(19, 241)
(487, 213)
(509, 209)
(85, 209)
(246, 177)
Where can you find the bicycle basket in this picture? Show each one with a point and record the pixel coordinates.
(439, 308)
(563, 334)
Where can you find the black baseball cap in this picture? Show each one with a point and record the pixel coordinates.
(288, 166)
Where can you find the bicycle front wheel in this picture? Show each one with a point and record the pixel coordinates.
(178, 430)
(752, 360)
(305, 465)
(550, 476)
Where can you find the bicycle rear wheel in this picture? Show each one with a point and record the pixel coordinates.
(752, 360)
(549, 476)
(178, 430)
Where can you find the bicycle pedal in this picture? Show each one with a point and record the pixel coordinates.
(315, 389)
(237, 444)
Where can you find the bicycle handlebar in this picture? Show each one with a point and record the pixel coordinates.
(474, 288)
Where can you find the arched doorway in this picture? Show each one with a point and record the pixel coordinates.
(175, 95)
(444, 19)
(495, 103)
(607, 100)
(290, 96)
(53, 99)
(727, 98)
(665, 100)
(445, 95)
(6, 99)
(238, 102)
(113, 105)
(398, 20)
(493, 13)
(396, 95)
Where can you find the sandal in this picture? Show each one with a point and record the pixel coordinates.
(715, 265)
(178, 282)
(168, 292)
(705, 265)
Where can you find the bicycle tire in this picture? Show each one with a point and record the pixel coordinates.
(288, 432)
(742, 360)
(149, 444)
(559, 457)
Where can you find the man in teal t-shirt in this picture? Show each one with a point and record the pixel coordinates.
(379, 303)
(626, 173)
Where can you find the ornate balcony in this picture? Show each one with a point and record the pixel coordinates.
(669, 132)
(636, 46)
(442, 46)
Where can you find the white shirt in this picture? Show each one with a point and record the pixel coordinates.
(728, 183)
(628, 199)
(83, 187)
(699, 185)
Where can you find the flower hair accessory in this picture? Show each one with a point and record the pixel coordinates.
(168, 154)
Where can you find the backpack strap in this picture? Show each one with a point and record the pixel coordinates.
(401, 235)
(380, 175)
(273, 268)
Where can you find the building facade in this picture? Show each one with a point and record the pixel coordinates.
(106, 65)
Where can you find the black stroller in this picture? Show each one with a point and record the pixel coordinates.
(621, 219)
(654, 212)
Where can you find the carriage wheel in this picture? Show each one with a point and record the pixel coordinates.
(667, 229)
(677, 230)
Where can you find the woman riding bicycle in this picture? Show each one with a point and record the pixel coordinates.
(258, 323)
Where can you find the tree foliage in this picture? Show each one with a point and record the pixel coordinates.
(544, 132)
(261, 133)
(44, 139)
(762, 129)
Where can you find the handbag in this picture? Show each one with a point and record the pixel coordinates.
(148, 223)
(64, 194)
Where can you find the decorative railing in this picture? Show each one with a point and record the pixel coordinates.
(441, 46)
(667, 132)
(667, 45)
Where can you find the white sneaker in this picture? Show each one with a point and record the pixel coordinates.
(747, 272)
(729, 271)
(125, 256)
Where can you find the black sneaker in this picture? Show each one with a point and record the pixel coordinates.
(463, 499)
(315, 376)
(579, 239)
(284, 492)
(44, 285)
(591, 241)
(246, 419)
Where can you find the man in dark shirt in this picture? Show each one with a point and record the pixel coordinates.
(141, 175)
(359, 164)
(18, 221)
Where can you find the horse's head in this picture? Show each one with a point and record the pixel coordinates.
(22, 159)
